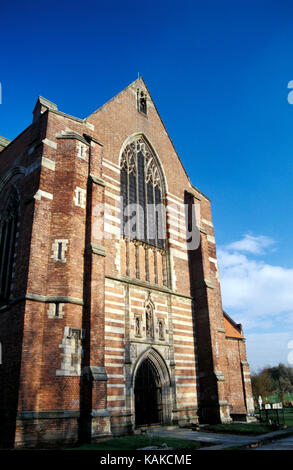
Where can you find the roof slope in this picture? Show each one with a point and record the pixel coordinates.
(141, 81)
(233, 329)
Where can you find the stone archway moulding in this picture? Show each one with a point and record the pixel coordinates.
(158, 362)
(9, 175)
(136, 135)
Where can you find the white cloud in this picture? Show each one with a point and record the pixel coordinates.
(268, 349)
(251, 244)
(253, 286)
(258, 295)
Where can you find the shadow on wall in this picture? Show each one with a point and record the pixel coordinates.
(12, 323)
(207, 384)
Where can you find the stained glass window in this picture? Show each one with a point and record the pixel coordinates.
(141, 193)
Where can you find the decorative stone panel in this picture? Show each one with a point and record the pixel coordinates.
(72, 352)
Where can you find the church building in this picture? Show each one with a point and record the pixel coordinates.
(111, 315)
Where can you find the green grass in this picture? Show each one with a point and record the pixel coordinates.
(252, 429)
(136, 442)
(277, 397)
(288, 415)
(249, 429)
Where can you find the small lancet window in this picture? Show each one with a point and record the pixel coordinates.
(59, 248)
(59, 251)
(57, 310)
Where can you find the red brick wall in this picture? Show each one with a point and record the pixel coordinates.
(101, 294)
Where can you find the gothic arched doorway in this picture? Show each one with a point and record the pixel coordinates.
(148, 395)
(152, 390)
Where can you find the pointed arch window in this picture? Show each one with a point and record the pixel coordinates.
(142, 195)
(8, 229)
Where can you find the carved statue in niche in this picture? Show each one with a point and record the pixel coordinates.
(137, 326)
(142, 101)
(149, 321)
(161, 328)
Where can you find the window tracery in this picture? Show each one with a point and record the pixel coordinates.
(142, 195)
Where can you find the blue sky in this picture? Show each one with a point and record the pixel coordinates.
(218, 72)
